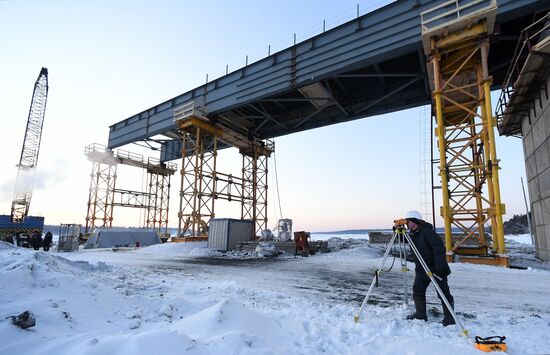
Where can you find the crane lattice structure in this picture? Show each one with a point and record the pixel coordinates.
(30, 150)
(455, 38)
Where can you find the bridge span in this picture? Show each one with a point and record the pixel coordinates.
(369, 66)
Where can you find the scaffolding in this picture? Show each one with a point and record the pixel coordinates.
(455, 36)
(201, 183)
(104, 194)
(254, 202)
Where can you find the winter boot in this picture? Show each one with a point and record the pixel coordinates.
(447, 316)
(420, 305)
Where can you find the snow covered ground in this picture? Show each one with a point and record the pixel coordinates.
(183, 298)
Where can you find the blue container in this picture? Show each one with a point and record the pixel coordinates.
(30, 223)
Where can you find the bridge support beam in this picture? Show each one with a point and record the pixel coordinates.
(159, 199)
(101, 195)
(254, 202)
(469, 166)
(202, 184)
(198, 180)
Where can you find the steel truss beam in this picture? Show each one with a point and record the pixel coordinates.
(465, 132)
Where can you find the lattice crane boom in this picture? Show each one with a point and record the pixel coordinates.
(31, 148)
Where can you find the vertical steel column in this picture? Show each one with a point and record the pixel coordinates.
(248, 202)
(440, 132)
(254, 201)
(152, 206)
(159, 197)
(261, 194)
(187, 187)
(466, 142)
(494, 162)
(101, 196)
(198, 184)
(207, 182)
(164, 202)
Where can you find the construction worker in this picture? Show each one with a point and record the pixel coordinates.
(36, 239)
(431, 248)
(47, 242)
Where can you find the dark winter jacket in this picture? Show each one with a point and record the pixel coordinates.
(431, 248)
(47, 239)
(36, 241)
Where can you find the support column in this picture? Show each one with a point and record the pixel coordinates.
(159, 198)
(101, 196)
(494, 162)
(198, 184)
(465, 131)
(254, 201)
(440, 133)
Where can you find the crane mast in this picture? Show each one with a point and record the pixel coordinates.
(30, 150)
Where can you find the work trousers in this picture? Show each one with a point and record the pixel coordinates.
(421, 282)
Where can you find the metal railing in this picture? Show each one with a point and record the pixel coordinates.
(453, 10)
(102, 150)
(529, 37)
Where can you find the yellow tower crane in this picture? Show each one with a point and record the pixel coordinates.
(455, 38)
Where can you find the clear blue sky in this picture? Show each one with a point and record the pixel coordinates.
(111, 59)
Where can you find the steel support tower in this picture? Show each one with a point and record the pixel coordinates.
(202, 184)
(104, 195)
(456, 40)
(198, 179)
(254, 202)
(31, 147)
(101, 193)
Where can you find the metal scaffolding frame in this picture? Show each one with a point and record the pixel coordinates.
(202, 184)
(254, 202)
(159, 198)
(104, 196)
(101, 195)
(458, 52)
(198, 181)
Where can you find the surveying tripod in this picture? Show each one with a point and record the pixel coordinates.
(400, 233)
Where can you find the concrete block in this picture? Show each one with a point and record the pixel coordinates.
(545, 210)
(542, 157)
(544, 184)
(545, 247)
(539, 132)
(537, 213)
(537, 242)
(534, 191)
(525, 127)
(531, 167)
(528, 144)
(542, 244)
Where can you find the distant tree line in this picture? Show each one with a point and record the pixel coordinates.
(515, 225)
